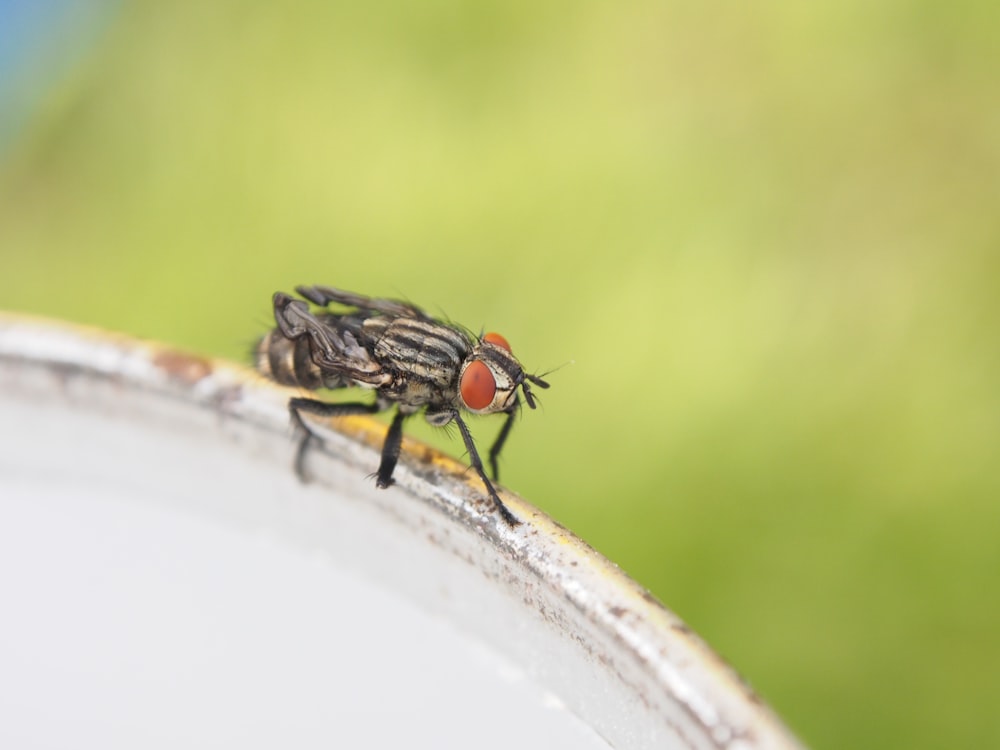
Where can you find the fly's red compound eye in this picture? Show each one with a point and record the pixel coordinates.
(478, 386)
(497, 340)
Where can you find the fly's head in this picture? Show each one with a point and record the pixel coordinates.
(491, 376)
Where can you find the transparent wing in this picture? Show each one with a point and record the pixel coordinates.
(324, 295)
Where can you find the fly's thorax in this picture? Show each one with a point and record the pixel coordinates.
(421, 350)
(490, 377)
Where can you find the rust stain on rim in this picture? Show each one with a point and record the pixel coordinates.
(182, 367)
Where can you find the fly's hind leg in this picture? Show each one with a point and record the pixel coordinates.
(298, 406)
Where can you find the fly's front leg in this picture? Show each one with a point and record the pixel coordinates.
(477, 464)
(298, 406)
(501, 439)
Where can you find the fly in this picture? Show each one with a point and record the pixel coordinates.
(411, 360)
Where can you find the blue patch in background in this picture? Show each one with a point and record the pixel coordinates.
(40, 40)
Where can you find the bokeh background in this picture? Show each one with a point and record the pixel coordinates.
(759, 240)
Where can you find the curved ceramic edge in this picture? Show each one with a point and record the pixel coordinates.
(666, 671)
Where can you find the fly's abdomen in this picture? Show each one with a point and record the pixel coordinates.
(288, 361)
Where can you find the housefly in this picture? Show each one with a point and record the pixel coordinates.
(411, 360)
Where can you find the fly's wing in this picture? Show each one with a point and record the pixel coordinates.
(324, 295)
(334, 348)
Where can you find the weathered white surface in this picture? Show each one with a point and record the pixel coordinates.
(166, 581)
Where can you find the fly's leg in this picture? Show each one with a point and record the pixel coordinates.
(477, 464)
(333, 350)
(390, 452)
(298, 406)
(293, 317)
(295, 321)
(501, 439)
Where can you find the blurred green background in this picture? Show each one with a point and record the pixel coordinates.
(760, 241)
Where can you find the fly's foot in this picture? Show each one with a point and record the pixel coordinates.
(504, 511)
